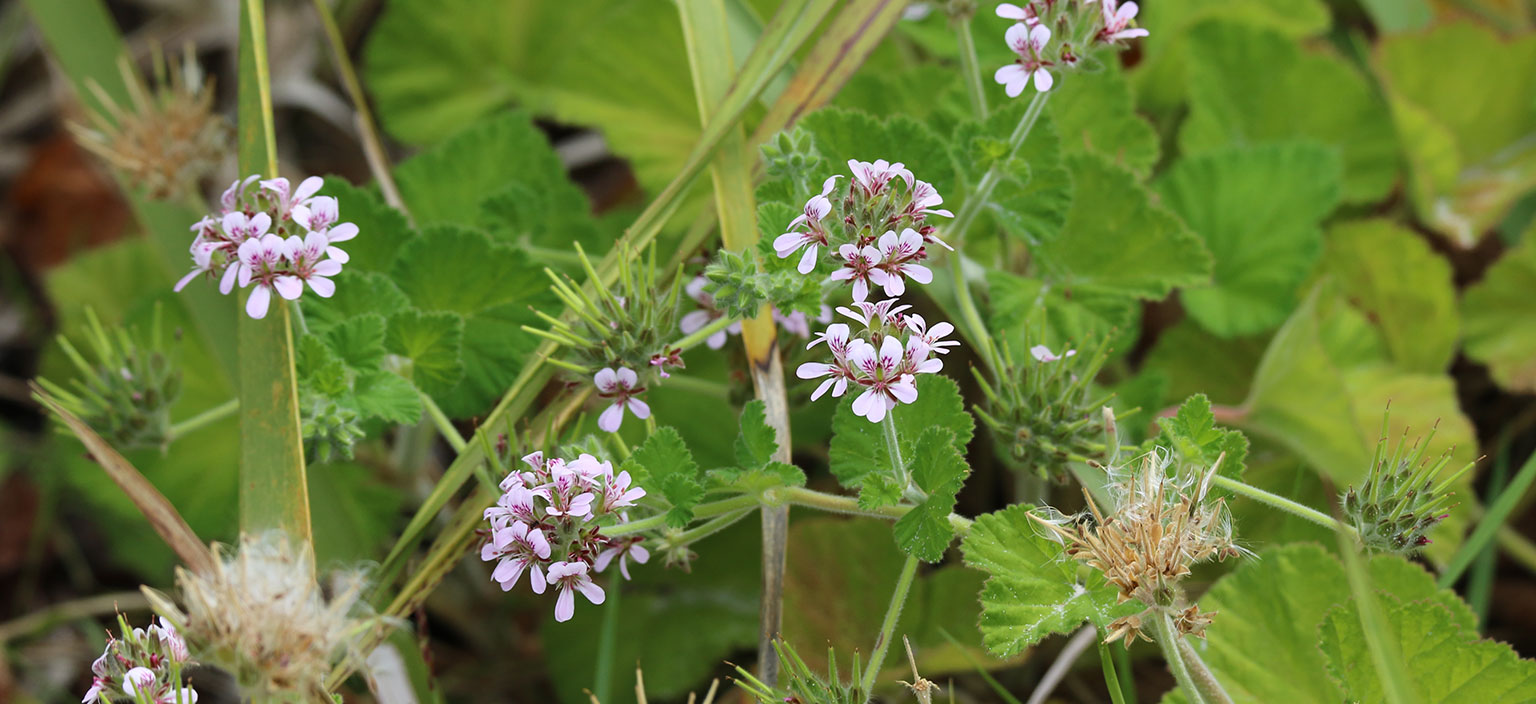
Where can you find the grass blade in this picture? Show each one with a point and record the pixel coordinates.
(1492, 519)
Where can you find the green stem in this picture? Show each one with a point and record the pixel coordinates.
(970, 67)
(1126, 674)
(1284, 504)
(607, 644)
(1111, 678)
(693, 339)
(704, 510)
(1492, 520)
(443, 424)
(989, 180)
(888, 626)
(893, 446)
(708, 528)
(1209, 686)
(1167, 640)
(206, 418)
(373, 146)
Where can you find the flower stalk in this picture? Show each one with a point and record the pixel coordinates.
(1167, 640)
(888, 625)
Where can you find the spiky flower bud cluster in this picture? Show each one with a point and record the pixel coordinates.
(799, 684)
(1402, 496)
(330, 430)
(1164, 522)
(791, 155)
(169, 137)
(1044, 412)
(143, 666)
(261, 615)
(127, 393)
(622, 334)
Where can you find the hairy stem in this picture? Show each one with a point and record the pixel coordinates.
(1209, 686)
(1111, 677)
(888, 626)
(1167, 639)
(970, 67)
(1284, 504)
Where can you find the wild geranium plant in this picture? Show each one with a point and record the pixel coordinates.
(728, 414)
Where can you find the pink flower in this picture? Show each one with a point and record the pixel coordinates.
(230, 199)
(873, 177)
(569, 578)
(310, 264)
(139, 678)
(202, 262)
(516, 504)
(93, 695)
(239, 228)
(885, 313)
(934, 337)
(259, 263)
(1026, 14)
(319, 214)
(625, 550)
(1041, 353)
(1027, 42)
(287, 201)
(173, 642)
(517, 549)
(878, 373)
(861, 266)
(621, 386)
(899, 260)
(696, 320)
(618, 494)
(814, 235)
(668, 358)
(1117, 20)
(567, 495)
(838, 374)
(924, 198)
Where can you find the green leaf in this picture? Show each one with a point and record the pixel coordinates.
(1117, 240)
(1446, 662)
(503, 175)
(1263, 643)
(1160, 78)
(1245, 83)
(360, 513)
(1094, 112)
(667, 466)
(769, 476)
(359, 341)
(432, 341)
(1468, 143)
(939, 470)
(491, 285)
(843, 134)
(858, 453)
(756, 444)
(381, 230)
(1032, 201)
(364, 293)
(1258, 211)
(1023, 309)
(1033, 590)
(1498, 312)
(1196, 361)
(1193, 434)
(462, 270)
(386, 396)
(1403, 286)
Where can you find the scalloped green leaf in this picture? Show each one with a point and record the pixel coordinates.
(1498, 313)
(1034, 589)
(663, 463)
(842, 134)
(433, 342)
(1245, 83)
(1119, 241)
(858, 455)
(1258, 211)
(1095, 112)
(1392, 276)
(938, 470)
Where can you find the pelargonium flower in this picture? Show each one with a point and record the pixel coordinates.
(277, 239)
(874, 176)
(143, 665)
(933, 337)
(875, 358)
(899, 255)
(548, 523)
(621, 386)
(814, 235)
(1025, 14)
(880, 373)
(862, 266)
(569, 578)
(1117, 22)
(694, 321)
(1029, 43)
(1043, 354)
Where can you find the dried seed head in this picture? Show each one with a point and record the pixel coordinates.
(1164, 523)
(169, 137)
(261, 615)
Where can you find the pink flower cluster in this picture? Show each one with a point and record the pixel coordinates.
(881, 235)
(1030, 37)
(143, 665)
(876, 359)
(547, 524)
(272, 237)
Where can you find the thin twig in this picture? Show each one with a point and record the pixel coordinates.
(1054, 674)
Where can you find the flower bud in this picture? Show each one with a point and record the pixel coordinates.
(126, 393)
(1402, 496)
